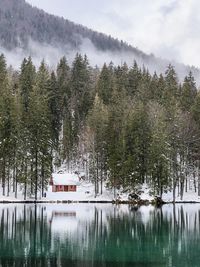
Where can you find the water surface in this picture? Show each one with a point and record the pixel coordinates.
(88, 235)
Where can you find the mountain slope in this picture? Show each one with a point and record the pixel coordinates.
(27, 30)
(19, 21)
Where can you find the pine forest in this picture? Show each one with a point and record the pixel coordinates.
(120, 125)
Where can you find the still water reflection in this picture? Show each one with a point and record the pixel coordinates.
(85, 235)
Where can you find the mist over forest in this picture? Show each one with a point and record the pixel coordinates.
(99, 141)
(28, 31)
(95, 104)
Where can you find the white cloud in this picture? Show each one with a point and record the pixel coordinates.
(167, 28)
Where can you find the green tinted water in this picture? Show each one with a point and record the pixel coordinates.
(99, 235)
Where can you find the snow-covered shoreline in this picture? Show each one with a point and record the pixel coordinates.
(85, 194)
(142, 202)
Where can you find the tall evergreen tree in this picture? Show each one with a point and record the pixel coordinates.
(188, 93)
(105, 84)
(159, 151)
(81, 95)
(40, 131)
(98, 123)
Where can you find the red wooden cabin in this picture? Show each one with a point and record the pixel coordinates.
(65, 182)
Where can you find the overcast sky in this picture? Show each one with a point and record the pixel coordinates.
(167, 28)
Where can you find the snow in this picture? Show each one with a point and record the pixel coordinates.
(85, 192)
(189, 196)
(65, 179)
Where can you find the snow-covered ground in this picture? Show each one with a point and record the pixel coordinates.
(189, 196)
(85, 192)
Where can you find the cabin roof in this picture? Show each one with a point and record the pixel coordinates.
(65, 179)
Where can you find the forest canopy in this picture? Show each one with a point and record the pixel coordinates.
(119, 125)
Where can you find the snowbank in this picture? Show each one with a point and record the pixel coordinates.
(85, 192)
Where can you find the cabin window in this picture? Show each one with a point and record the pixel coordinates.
(60, 188)
(65, 188)
(71, 187)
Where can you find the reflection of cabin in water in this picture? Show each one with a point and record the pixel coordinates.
(62, 214)
(65, 182)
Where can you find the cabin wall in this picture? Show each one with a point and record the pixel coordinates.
(54, 188)
(51, 182)
(72, 188)
(64, 188)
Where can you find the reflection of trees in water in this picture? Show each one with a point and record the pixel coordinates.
(127, 236)
(24, 235)
(108, 238)
(174, 235)
(26, 239)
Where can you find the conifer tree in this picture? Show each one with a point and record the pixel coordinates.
(138, 137)
(65, 103)
(81, 96)
(26, 82)
(40, 131)
(54, 105)
(8, 124)
(170, 93)
(105, 84)
(134, 77)
(188, 93)
(98, 123)
(159, 151)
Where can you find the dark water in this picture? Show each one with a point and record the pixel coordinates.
(99, 235)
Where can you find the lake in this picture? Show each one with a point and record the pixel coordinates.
(94, 235)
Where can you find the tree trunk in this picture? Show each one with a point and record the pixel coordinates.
(194, 181)
(36, 173)
(101, 179)
(25, 184)
(42, 177)
(198, 180)
(31, 179)
(8, 188)
(4, 176)
(97, 171)
(186, 183)
(174, 187)
(16, 176)
(182, 186)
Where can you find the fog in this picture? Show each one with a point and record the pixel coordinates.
(169, 29)
(52, 54)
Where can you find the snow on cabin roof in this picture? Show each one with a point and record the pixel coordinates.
(65, 179)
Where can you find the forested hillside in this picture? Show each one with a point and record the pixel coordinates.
(28, 31)
(20, 22)
(119, 125)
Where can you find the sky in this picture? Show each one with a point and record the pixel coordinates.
(167, 28)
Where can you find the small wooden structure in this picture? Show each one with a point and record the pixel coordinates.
(65, 182)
